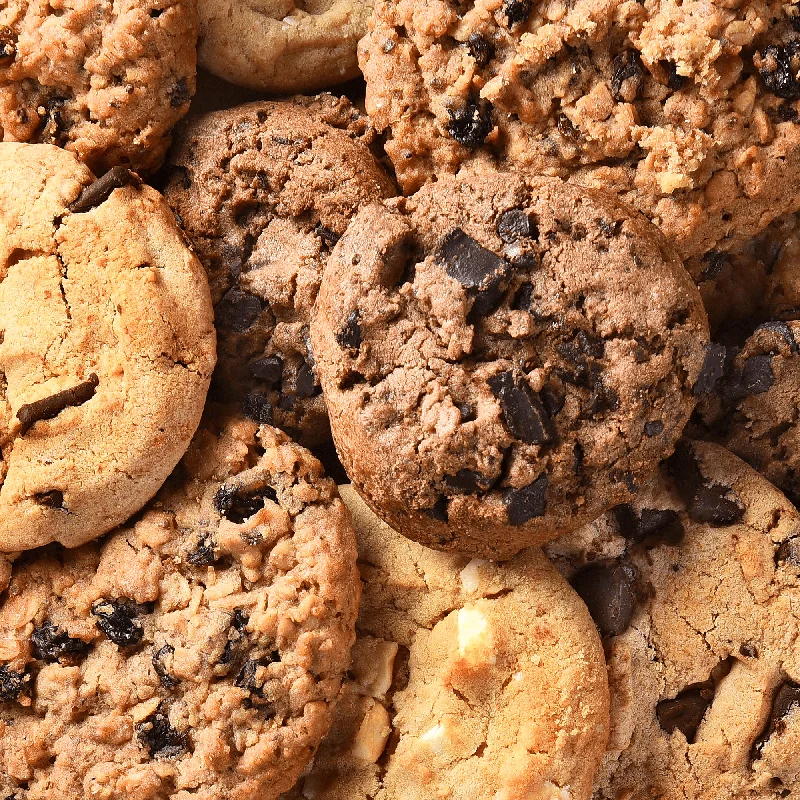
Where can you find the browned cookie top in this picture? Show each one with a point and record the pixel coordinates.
(107, 80)
(263, 192)
(503, 357)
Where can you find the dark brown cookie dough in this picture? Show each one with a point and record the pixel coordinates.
(503, 358)
(264, 191)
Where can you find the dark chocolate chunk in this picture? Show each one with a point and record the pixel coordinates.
(654, 428)
(268, 369)
(159, 659)
(438, 510)
(237, 311)
(651, 527)
(715, 261)
(257, 407)
(523, 505)
(553, 398)
(161, 739)
(467, 412)
(787, 699)
(517, 11)
(50, 643)
(523, 411)
(203, 554)
(11, 683)
(480, 48)
(52, 499)
(581, 347)
(349, 337)
(8, 45)
(98, 192)
(712, 370)
(515, 224)
(179, 94)
(327, 235)
(686, 711)
(779, 66)
(523, 297)
(627, 77)
(306, 381)
(50, 407)
(237, 505)
(608, 591)
(471, 124)
(467, 480)
(757, 375)
(781, 329)
(117, 620)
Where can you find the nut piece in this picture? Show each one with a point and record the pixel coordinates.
(373, 666)
(373, 734)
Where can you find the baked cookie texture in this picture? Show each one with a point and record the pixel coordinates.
(107, 347)
(687, 110)
(503, 357)
(263, 192)
(106, 80)
(695, 587)
(282, 46)
(469, 680)
(194, 653)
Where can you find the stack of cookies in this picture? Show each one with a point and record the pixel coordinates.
(435, 438)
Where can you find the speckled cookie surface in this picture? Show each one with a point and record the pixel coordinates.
(687, 110)
(469, 681)
(263, 192)
(696, 588)
(503, 358)
(282, 46)
(194, 654)
(106, 352)
(106, 80)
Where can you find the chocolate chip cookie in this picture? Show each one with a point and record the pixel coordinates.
(106, 346)
(695, 586)
(503, 358)
(264, 191)
(688, 111)
(107, 80)
(194, 653)
(468, 680)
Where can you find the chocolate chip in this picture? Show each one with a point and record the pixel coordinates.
(50, 643)
(749, 650)
(627, 77)
(11, 683)
(779, 66)
(527, 503)
(789, 551)
(654, 428)
(349, 337)
(467, 480)
(470, 125)
(52, 499)
(712, 370)
(517, 11)
(715, 262)
(650, 527)
(268, 369)
(117, 620)
(203, 554)
(515, 224)
(787, 699)
(160, 658)
(686, 711)
(480, 48)
(8, 45)
(237, 311)
(50, 407)
(179, 94)
(237, 505)
(98, 192)
(780, 329)
(257, 407)
(438, 510)
(523, 411)
(757, 375)
(161, 739)
(306, 381)
(608, 591)
(523, 297)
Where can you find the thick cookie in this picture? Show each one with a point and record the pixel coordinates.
(696, 586)
(194, 654)
(263, 192)
(282, 46)
(469, 680)
(687, 110)
(106, 80)
(106, 351)
(503, 357)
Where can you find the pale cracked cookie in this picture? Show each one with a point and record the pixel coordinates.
(263, 192)
(282, 46)
(687, 110)
(696, 587)
(470, 681)
(106, 347)
(503, 358)
(194, 654)
(107, 80)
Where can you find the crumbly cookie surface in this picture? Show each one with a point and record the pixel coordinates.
(504, 358)
(469, 680)
(106, 80)
(264, 191)
(687, 110)
(106, 352)
(195, 653)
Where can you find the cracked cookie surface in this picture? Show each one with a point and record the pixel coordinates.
(195, 653)
(687, 110)
(106, 80)
(106, 352)
(263, 192)
(469, 681)
(695, 586)
(503, 358)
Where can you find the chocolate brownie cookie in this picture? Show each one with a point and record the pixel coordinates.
(282, 46)
(687, 110)
(696, 587)
(503, 357)
(106, 346)
(264, 191)
(194, 654)
(469, 680)
(107, 80)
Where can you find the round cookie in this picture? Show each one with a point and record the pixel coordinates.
(263, 192)
(687, 110)
(469, 680)
(282, 46)
(106, 351)
(696, 587)
(503, 357)
(195, 653)
(106, 80)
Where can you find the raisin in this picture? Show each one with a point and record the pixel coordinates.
(779, 66)
(117, 620)
(471, 125)
(159, 659)
(161, 739)
(249, 678)
(179, 94)
(517, 11)
(52, 644)
(237, 506)
(257, 407)
(8, 45)
(627, 78)
(203, 554)
(480, 48)
(11, 683)
(349, 337)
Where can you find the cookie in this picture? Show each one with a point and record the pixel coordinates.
(469, 680)
(503, 357)
(106, 80)
(106, 351)
(687, 111)
(195, 653)
(695, 586)
(282, 47)
(263, 191)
